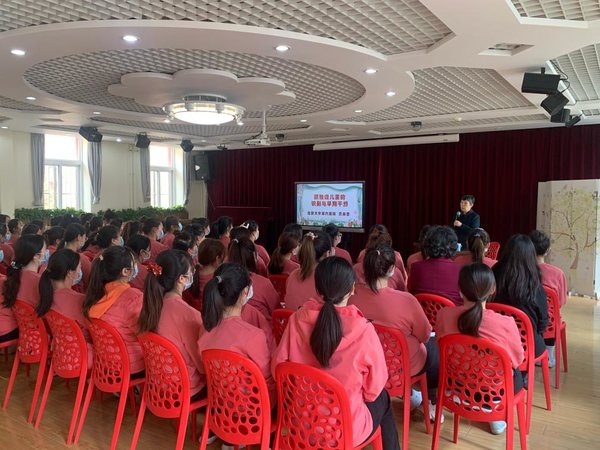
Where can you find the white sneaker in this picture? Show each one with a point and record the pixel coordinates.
(432, 410)
(551, 355)
(416, 399)
(498, 427)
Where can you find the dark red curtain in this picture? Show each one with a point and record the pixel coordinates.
(409, 186)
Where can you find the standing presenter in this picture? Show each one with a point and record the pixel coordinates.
(466, 219)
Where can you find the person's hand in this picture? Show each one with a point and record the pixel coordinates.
(457, 223)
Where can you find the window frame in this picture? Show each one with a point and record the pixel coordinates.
(155, 172)
(60, 163)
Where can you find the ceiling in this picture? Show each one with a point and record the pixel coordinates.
(455, 66)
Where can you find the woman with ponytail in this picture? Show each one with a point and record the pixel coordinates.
(7, 250)
(140, 246)
(384, 305)
(477, 287)
(478, 242)
(110, 297)
(336, 337)
(22, 276)
(379, 235)
(104, 238)
(224, 327)
(252, 227)
(166, 313)
(301, 282)
(74, 239)
(281, 260)
(394, 281)
(242, 251)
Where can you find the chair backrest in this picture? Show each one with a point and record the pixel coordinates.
(313, 409)
(431, 304)
(33, 337)
(279, 283)
(525, 330)
(111, 360)
(69, 349)
(397, 359)
(493, 250)
(167, 387)
(476, 379)
(554, 318)
(238, 398)
(280, 321)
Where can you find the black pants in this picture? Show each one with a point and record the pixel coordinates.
(14, 334)
(383, 416)
(432, 367)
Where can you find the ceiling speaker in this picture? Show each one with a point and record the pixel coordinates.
(554, 103)
(142, 140)
(561, 116)
(91, 134)
(187, 145)
(540, 83)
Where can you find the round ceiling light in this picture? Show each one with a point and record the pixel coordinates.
(370, 71)
(18, 52)
(205, 109)
(130, 38)
(282, 48)
(30, 98)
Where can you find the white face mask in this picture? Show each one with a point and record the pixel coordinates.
(390, 274)
(249, 295)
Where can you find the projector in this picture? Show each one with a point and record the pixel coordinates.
(258, 140)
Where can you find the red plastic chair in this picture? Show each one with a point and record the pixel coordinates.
(279, 283)
(32, 348)
(280, 321)
(69, 360)
(431, 304)
(302, 392)
(167, 387)
(493, 250)
(557, 329)
(239, 409)
(110, 373)
(476, 382)
(528, 365)
(6, 345)
(397, 359)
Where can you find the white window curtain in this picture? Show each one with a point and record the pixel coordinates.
(188, 173)
(37, 166)
(145, 175)
(95, 169)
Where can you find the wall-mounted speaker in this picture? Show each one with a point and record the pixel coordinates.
(540, 83)
(202, 166)
(91, 134)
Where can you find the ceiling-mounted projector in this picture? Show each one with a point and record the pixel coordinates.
(261, 139)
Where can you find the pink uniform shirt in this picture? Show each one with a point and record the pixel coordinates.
(465, 258)
(29, 290)
(265, 298)
(399, 262)
(298, 291)
(555, 278)
(358, 362)
(69, 303)
(156, 248)
(395, 281)
(415, 257)
(399, 310)
(7, 318)
(167, 240)
(262, 253)
(140, 279)
(343, 254)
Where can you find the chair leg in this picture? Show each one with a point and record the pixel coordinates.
(138, 423)
(437, 423)
(86, 404)
(557, 364)
(38, 388)
(377, 442)
(11, 381)
(522, 425)
(5, 354)
(182, 428)
(425, 395)
(546, 378)
(456, 424)
(563, 342)
(406, 415)
(193, 419)
(530, 389)
(510, 428)
(119, 418)
(132, 401)
(206, 428)
(44, 396)
(76, 408)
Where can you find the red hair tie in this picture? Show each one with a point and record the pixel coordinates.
(155, 269)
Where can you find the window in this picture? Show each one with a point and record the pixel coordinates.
(62, 172)
(161, 176)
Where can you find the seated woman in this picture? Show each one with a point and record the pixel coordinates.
(419, 254)
(53, 236)
(552, 276)
(110, 297)
(519, 284)
(399, 310)
(166, 313)
(328, 333)
(477, 286)
(211, 254)
(396, 280)
(171, 226)
(252, 227)
(295, 229)
(237, 233)
(300, 284)
(336, 237)
(104, 238)
(224, 298)
(153, 230)
(478, 242)
(220, 230)
(74, 239)
(56, 293)
(281, 260)
(140, 246)
(438, 274)
(378, 235)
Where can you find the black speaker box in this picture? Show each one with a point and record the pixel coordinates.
(537, 83)
(202, 166)
(553, 104)
(562, 116)
(91, 134)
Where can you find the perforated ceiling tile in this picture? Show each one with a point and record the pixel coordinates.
(6, 102)
(388, 26)
(401, 128)
(559, 9)
(448, 90)
(199, 130)
(85, 78)
(583, 69)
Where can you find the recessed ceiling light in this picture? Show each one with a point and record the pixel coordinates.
(96, 113)
(18, 52)
(167, 121)
(458, 119)
(358, 110)
(303, 120)
(4, 128)
(370, 71)
(130, 38)
(240, 123)
(202, 140)
(390, 93)
(30, 98)
(282, 48)
(119, 139)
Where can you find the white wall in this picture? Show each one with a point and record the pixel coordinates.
(121, 181)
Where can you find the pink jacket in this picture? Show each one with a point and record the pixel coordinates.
(358, 362)
(555, 278)
(181, 324)
(398, 310)
(501, 330)
(415, 257)
(252, 316)
(7, 318)
(467, 258)
(399, 262)
(29, 290)
(395, 281)
(139, 280)
(265, 297)
(156, 248)
(124, 315)
(167, 240)
(262, 253)
(343, 254)
(297, 292)
(236, 335)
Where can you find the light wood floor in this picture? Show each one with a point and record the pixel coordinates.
(573, 423)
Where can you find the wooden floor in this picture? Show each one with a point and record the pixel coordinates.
(573, 423)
